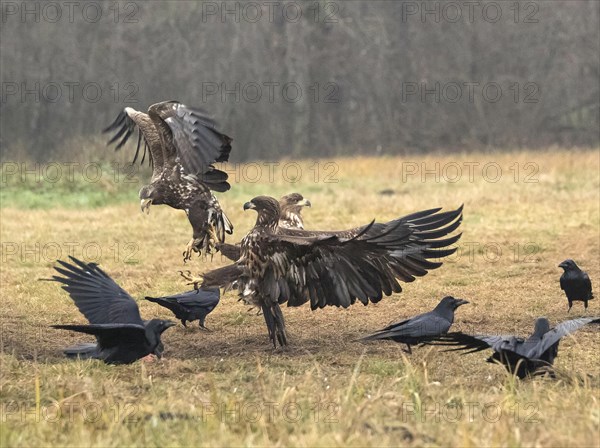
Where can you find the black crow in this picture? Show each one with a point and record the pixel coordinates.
(114, 317)
(521, 357)
(575, 283)
(422, 327)
(191, 305)
(89, 350)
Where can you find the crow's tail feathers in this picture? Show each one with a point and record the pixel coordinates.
(81, 351)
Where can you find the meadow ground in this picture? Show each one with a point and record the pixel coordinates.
(524, 213)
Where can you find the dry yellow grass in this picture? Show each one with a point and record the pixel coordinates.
(228, 388)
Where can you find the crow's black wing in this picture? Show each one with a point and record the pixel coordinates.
(111, 335)
(557, 333)
(97, 295)
(476, 343)
(588, 285)
(206, 298)
(424, 326)
(203, 297)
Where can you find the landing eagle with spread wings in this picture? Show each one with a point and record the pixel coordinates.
(331, 268)
(182, 144)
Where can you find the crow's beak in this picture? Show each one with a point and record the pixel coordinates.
(145, 205)
(170, 324)
(304, 203)
(249, 205)
(460, 302)
(562, 265)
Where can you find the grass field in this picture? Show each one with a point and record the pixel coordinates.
(524, 213)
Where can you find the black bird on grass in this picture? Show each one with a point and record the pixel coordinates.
(192, 305)
(90, 350)
(521, 357)
(575, 283)
(114, 317)
(423, 327)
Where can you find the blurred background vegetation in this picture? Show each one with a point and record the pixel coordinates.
(377, 77)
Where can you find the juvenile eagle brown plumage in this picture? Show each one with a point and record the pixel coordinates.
(331, 268)
(182, 144)
(290, 218)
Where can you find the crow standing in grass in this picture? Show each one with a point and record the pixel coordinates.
(192, 305)
(423, 327)
(575, 283)
(296, 266)
(521, 357)
(122, 337)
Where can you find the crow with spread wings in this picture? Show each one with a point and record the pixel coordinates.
(182, 144)
(521, 357)
(122, 337)
(331, 268)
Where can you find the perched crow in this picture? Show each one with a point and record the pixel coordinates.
(122, 337)
(422, 327)
(575, 283)
(191, 305)
(521, 357)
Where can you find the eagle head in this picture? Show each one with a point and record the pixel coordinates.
(293, 201)
(267, 208)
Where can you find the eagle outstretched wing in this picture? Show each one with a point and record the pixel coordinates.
(363, 264)
(148, 137)
(173, 132)
(338, 268)
(194, 137)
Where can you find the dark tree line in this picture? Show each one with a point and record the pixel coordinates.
(341, 78)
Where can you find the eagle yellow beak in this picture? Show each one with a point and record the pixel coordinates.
(145, 205)
(303, 203)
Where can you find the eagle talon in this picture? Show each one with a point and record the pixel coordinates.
(213, 240)
(187, 275)
(189, 249)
